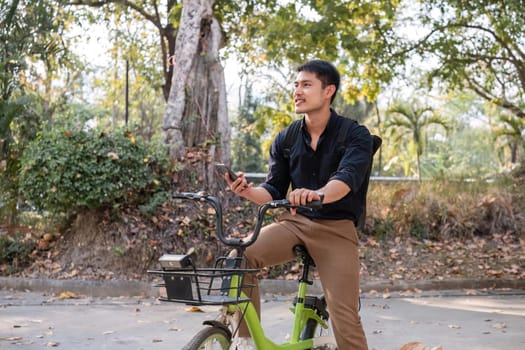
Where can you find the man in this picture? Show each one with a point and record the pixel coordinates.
(317, 171)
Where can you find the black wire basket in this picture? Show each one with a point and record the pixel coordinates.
(206, 286)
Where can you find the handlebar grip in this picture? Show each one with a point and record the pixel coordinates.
(315, 205)
(285, 203)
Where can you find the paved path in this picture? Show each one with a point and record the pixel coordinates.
(456, 320)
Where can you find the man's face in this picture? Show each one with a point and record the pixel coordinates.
(309, 94)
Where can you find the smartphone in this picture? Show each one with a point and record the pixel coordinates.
(223, 169)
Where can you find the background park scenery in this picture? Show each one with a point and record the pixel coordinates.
(107, 107)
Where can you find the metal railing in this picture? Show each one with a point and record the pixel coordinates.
(260, 177)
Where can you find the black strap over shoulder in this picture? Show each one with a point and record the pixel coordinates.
(376, 143)
(290, 135)
(342, 134)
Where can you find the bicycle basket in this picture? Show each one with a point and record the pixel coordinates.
(220, 285)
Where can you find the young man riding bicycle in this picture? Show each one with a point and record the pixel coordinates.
(317, 170)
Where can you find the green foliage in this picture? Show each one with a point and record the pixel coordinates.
(464, 162)
(147, 46)
(66, 170)
(32, 36)
(246, 145)
(412, 119)
(155, 201)
(476, 45)
(509, 132)
(29, 29)
(118, 250)
(22, 114)
(15, 252)
(382, 227)
(353, 34)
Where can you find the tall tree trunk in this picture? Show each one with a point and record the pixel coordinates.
(196, 113)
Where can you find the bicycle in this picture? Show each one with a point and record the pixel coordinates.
(224, 285)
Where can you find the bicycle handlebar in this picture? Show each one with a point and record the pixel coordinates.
(216, 204)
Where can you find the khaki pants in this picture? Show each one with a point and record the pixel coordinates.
(333, 245)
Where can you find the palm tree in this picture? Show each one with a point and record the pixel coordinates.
(512, 129)
(411, 118)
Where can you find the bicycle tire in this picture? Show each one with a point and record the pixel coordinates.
(210, 338)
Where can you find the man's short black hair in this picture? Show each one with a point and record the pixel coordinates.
(325, 71)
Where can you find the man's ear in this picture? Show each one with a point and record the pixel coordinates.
(330, 91)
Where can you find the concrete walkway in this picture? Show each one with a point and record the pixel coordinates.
(456, 320)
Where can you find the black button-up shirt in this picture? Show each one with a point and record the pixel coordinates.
(306, 168)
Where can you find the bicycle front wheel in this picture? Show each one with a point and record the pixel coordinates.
(210, 338)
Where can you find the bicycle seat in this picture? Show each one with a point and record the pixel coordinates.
(302, 253)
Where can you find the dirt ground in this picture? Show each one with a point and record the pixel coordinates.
(99, 246)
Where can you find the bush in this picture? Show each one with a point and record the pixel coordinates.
(444, 210)
(15, 253)
(64, 170)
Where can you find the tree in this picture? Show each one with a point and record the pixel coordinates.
(30, 31)
(261, 32)
(246, 145)
(32, 35)
(412, 118)
(352, 34)
(163, 17)
(197, 100)
(190, 39)
(478, 45)
(512, 130)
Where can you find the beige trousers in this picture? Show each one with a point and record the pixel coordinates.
(333, 245)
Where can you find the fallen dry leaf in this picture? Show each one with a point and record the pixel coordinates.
(194, 309)
(11, 338)
(419, 346)
(67, 295)
(499, 325)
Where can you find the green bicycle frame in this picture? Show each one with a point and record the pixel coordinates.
(301, 316)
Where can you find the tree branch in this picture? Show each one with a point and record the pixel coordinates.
(151, 18)
(487, 95)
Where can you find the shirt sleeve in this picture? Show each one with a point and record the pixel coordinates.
(356, 158)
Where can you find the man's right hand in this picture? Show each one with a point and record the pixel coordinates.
(245, 189)
(302, 196)
(239, 185)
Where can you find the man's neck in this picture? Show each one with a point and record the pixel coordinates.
(316, 121)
